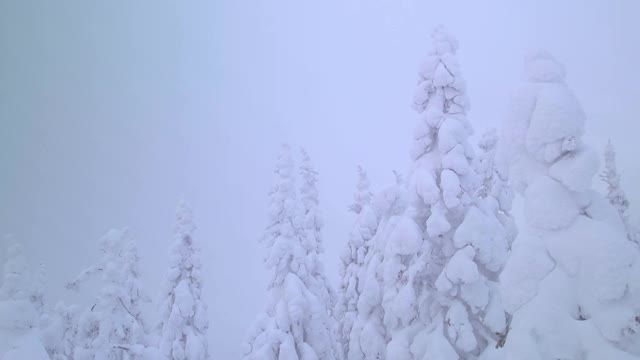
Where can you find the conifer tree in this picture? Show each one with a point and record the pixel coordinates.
(353, 257)
(296, 323)
(183, 325)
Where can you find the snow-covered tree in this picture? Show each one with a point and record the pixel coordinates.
(353, 257)
(18, 316)
(485, 165)
(571, 283)
(16, 278)
(443, 257)
(296, 324)
(615, 194)
(114, 328)
(368, 337)
(311, 231)
(36, 295)
(59, 330)
(183, 315)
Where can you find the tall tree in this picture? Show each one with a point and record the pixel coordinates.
(369, 336)
(296, 323)
(114, 328)
(441, 299)
(311, 231)
(615, 194)
(183, 315)
(571, 281)
(353, 257)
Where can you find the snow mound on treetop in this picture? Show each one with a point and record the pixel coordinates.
(557, 116)
(540, 66)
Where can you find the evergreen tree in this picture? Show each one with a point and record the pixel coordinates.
(615, 193)
(59, 332)
(353, 257)
(19, 319)
(184, 323)
(311, 231)
(444, 256)
(369, 336)
(114, 328)
(571, 281)
(296, 323)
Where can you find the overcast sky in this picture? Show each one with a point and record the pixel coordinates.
(111, 111)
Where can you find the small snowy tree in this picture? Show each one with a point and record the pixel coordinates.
(18, 316)
(296, 323)
(58, 332)
(571, 282)
(114, 328)
(353, 257)
(184, 323)
(442, 259)
(16, 279)
(37, 291)
(485, 166)
(615, 193)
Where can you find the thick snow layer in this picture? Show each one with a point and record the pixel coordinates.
(26, 347)
(557, 115)
(549, 205)
(406, 237)
(528, 265)
(541, 67)
(575, 170)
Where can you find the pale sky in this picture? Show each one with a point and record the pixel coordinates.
(111, 111)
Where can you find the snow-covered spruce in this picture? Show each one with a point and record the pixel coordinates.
(442, 258)
(183, 313)
(571, 283)
(296, 324)
(353, 257)
(59, 330)
(18, 316)
(369, 336)
(113, 327)
(615, 194)
(311, 232)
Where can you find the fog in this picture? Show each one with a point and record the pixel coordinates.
(110, 112)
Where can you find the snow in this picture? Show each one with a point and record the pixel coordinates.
(406, 238)
(27, 347)
(576, 170)
(297, 322)
(572, 268)
(549, 205)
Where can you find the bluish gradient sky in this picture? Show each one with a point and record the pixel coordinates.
(111, 111)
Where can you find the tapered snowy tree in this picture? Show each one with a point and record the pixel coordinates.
(18, 317)
(311, 231)
(353, 257)
(296, 324)
(36, 295)
(183, 313)
(114, 327)
(615, 194)
(369, 336)
(571, 283)
(443, 257)
(59, 330)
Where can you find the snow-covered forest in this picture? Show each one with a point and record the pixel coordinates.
(496, 235)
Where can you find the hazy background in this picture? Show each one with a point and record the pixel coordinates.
(110, 111)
